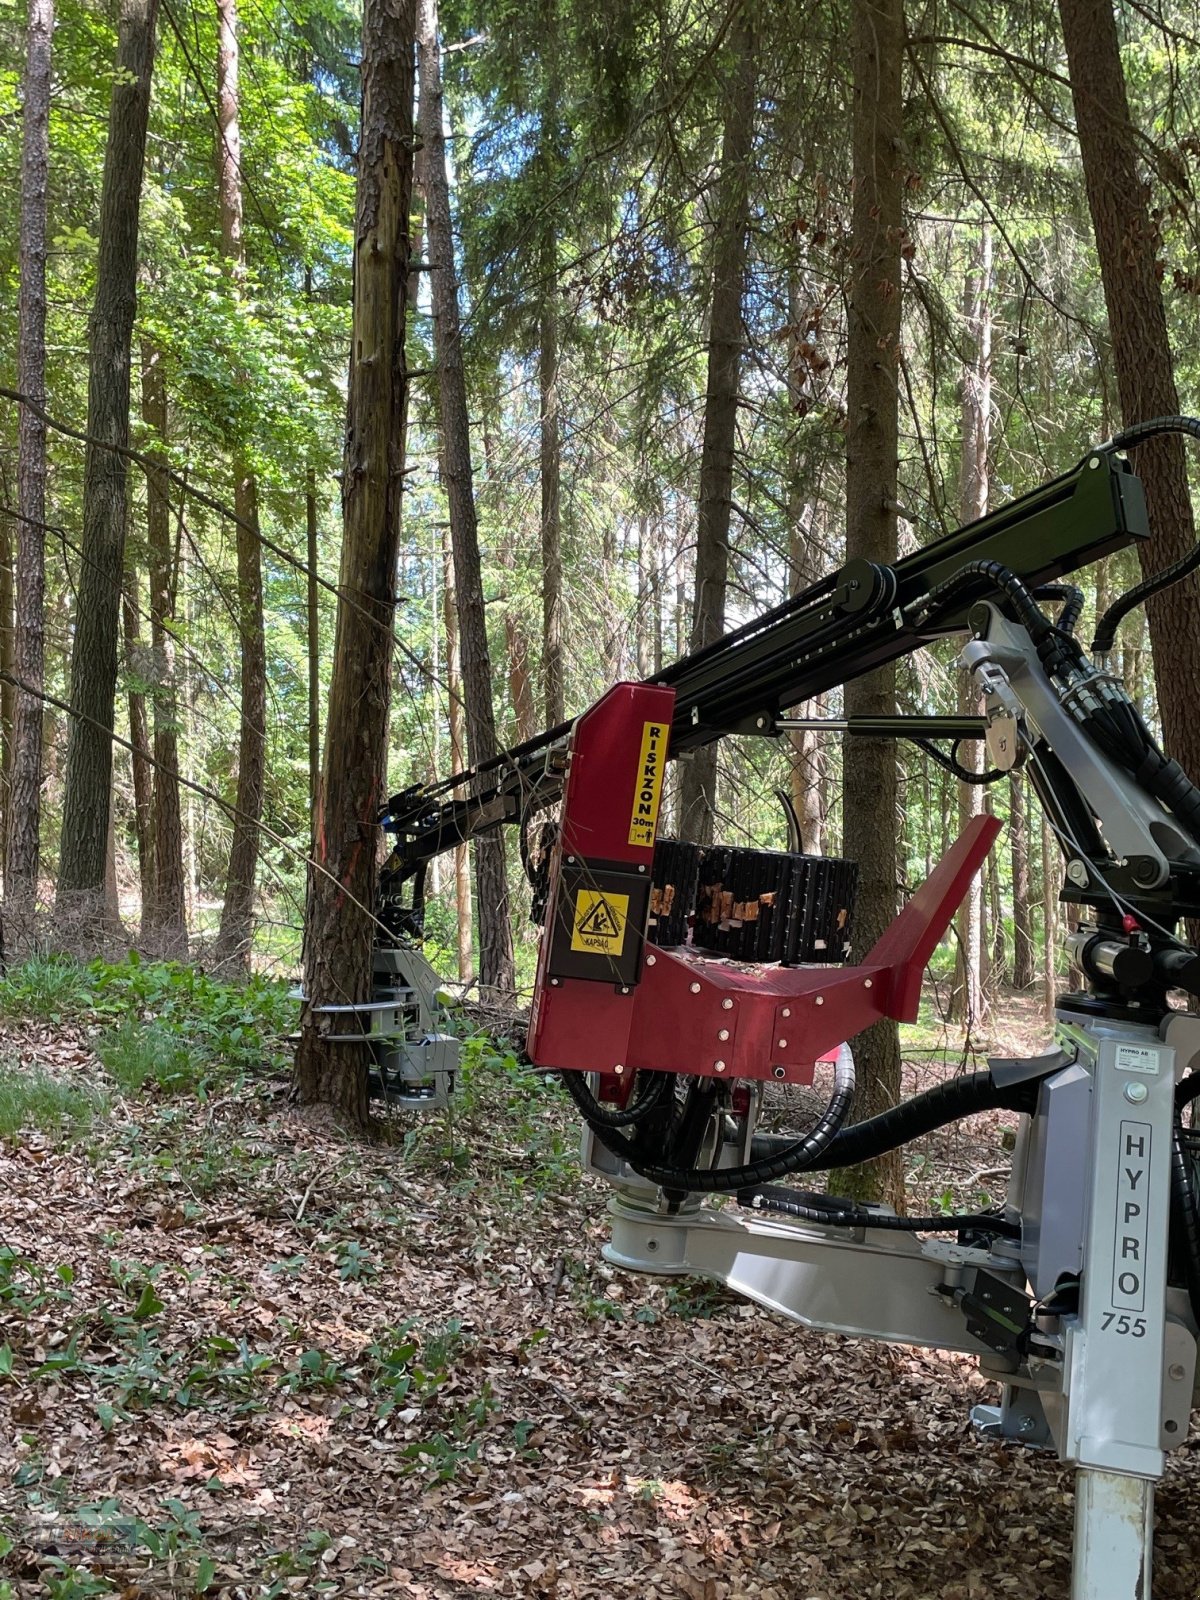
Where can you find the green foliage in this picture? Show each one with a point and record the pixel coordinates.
(47, 988)
(164, 1025)
(32, 1097)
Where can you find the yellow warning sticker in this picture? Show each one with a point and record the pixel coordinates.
(649, 784)
(599, 924)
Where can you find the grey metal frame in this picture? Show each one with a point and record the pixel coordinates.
(1110, 1386)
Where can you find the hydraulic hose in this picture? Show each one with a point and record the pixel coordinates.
(798, 1156)
(658, 1087)
(924, 1113)
(837, 1213)
(1106, 628)
(1185, 1214)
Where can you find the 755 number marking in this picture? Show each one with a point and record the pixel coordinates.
(1131, 1327)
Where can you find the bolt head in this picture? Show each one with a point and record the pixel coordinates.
(782, 1044)
(1177, 1372)
(786, 1012)
(719, 1066)
(651, 960)
(723, 1034)
(868, 983)
(820, 1000)
(619, 1069)
(726, 1005)
(695, 988)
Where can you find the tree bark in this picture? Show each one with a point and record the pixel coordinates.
(7, 661)
(698, 778)
(237, 914)
(495, 927)
(340, 924)
(1023, 972)
(458, 760)
(968, 998)
(314, 643)
(23, 820)
(139, 738)
(1050, 876)
(87, 798)
(872, 441)
(166, 932)
(1127, 244)
(554, 676)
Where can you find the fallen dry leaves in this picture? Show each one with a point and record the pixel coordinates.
(564, 1431)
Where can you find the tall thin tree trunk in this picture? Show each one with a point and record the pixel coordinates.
(23, 820)
(314, 644)
(7, 661)
(698, 778)
(139, 738)
(340, 925)
(88, 793)
(496, 974)
(458, 760)
(550, 447)
(516, 639)
(1127, 244)
(968, 1000)
(869, 793)
(1050, 885)
(166, 932)
(1018, 830)
(237, 913)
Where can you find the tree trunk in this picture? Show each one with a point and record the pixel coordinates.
(7, 660)
(1127, 244)
(458, 760)
(872, 440)
(1050, 874)
(23, 819)
(698, 777)
(1018, 830)
(165, 930)
(340, 924)
(968, 999)
(139, 738)
(237, 913)
(314, 646)
(79, 906)
(516, 639)
(495, 927)
(549, 444)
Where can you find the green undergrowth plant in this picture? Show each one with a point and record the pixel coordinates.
(508, 1124)
(163, 1025)
(32, 1097)
(47, 988)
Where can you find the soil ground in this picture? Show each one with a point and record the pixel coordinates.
(242, 1356)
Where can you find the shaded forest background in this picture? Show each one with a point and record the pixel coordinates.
(657, 224)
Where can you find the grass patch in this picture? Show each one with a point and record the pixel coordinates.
(135, 1054)
(47, 988)
(31, 1097)
(165, 1025)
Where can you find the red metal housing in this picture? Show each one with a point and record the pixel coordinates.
(680, 1010)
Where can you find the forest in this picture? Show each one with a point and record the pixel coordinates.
(380, 382)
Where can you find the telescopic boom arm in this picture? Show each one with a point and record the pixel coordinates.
(854, 620)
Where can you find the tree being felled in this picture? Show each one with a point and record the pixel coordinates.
(340, 925)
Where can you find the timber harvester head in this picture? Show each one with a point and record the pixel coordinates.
(759, 992)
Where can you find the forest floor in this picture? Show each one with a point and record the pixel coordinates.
(242, 1356)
